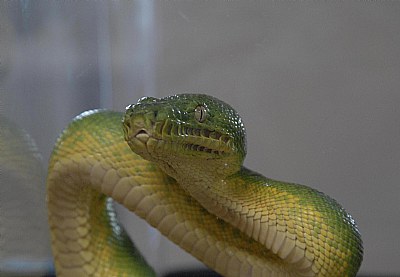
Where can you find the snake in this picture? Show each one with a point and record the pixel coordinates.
(177, 162)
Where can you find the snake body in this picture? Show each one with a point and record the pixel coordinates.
(185, 177)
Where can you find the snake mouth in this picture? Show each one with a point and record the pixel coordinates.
(142, 135)
(191, 139)
(169, 134)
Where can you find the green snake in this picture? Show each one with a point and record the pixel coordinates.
(185, 176)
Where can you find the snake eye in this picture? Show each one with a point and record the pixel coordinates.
(200, 113)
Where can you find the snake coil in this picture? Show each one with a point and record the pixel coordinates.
(186, 178)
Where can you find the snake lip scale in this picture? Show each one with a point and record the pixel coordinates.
(177, 162)
(169, 135)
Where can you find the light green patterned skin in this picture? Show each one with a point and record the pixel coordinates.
(87, 239)
(236, 221)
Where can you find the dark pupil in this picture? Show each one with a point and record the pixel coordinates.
(200, 113)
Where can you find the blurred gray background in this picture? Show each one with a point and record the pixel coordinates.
(317, 83)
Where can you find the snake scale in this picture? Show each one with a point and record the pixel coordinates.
(177, 162)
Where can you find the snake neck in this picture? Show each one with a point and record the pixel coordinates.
(220, 195)
(269, 212)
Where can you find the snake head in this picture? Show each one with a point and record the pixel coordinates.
(186, 129)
